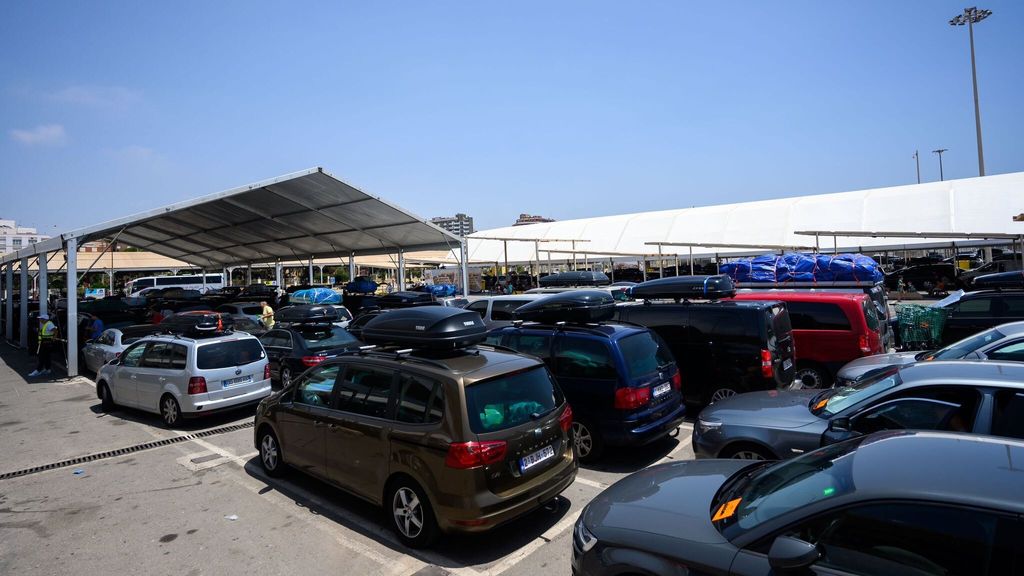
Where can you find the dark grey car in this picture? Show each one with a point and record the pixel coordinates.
(959, 395)
(1004, 342)
(889, 503)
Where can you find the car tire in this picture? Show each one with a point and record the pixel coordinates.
(587, 440)
(410, 513)
(747, 452)
(721, 393)
(170, 411)
(286, 377)
(107, 403)
(812, 377)
(271, 458)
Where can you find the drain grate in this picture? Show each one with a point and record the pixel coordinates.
(123, 451)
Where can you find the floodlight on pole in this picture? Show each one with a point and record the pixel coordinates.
(939, 152)
(971, 16)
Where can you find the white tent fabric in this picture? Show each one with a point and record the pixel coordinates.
(971, 205)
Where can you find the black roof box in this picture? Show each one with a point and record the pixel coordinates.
(197, 324)
(580, 278)
(357, 302)
(307, 314)
(406, 300)
(576, 306)
(685, 287)
(433, 327)
(1014, 279)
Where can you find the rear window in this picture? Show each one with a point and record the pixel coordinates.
(644, 354)
(320, 339)
(779, 321)
(508, 401)
(229, 353)
(870, 315)
(252, 310)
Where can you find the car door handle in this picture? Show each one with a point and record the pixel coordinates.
(134, 377)
(162, 379)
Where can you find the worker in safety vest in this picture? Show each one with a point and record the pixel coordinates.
(47, 333)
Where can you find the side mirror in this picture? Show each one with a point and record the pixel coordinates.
(839, 425)
(788, 553)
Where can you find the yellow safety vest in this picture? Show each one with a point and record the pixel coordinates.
(46, 333)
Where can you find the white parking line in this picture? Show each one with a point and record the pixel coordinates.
(591, 483)
(521, 554)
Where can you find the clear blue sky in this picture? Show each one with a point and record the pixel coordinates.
(566, 109)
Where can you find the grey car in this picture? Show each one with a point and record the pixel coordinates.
(959, 395)
(1003, 342)
(889, 503)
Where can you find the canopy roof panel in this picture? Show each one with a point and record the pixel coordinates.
(297, 216)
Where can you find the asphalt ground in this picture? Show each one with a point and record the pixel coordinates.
(201, 505)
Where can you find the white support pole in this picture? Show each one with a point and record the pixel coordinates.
(401, 269)
(311, 270)
(573, 255)
(23, 306)
(691, 260)
(202, 271)
(643, 268)
(43, 288)
(278, 272)
(71, 257)
(536, 256)
(248, 274)
(110, 283)
(9, 294)
(351, 266)
(464, 248)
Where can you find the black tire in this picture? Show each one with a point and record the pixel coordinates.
(286, 376)
(170, 411)
(720, 393)
(107, 403)
(812, 377)
(587, 440)
(406, 505)
(271, 458)
(747, 452)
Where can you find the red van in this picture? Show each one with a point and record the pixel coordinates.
(829, 330)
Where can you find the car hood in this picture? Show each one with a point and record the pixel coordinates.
(861, 366)
(774, 408)
(671, 500)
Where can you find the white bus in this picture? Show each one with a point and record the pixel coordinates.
(188, 282)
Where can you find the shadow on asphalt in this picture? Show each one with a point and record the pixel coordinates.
(205, 422)
(630, 459)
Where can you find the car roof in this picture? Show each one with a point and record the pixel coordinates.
(473, 364)
(745, 304)
(964, 372)
(227, 337)
(795, 296)
(1003, 292)
(1011, 328)
(514, 297)
(966, 469)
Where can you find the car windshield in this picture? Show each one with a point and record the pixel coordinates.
(511, 400)
(320, 339)
(964, 347)
(644, 354)
(781, 488)
(229, 353)
(834, 401)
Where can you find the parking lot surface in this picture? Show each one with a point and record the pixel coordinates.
(190, 501)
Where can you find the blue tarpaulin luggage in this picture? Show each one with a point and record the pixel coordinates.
(315, 296)
(794, 267)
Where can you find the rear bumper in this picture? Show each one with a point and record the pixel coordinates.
(191, 409)
(634, 433)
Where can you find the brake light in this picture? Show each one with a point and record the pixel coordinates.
(766, 364)
(677, 381)
(312, 360)
(266, 371)
(631, 398)
(465, 455)
(566, 418)
(197, 385)
(865, 345)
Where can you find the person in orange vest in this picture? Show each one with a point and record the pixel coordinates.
(47, 333)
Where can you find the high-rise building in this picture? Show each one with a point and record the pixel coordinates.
(14, 237)
(525, 219)
(460, 224)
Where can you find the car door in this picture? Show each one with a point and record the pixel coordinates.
(123, 377)
(585, 371)
(953, 409)
(356, 437)
(301, 419)
(274, 342)
(1012, 308)
(968, 317)
(152, 374)
(96, 351)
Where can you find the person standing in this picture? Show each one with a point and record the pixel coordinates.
(267, 316)
(47, 332)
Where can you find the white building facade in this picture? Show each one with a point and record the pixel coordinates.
(14, 237)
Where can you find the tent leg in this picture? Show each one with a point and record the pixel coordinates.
(44, 300)
(401, 269)
(351, 266)
(23, 306)
(464, 248)
(9, 294)
(278, 272)
(72, 324)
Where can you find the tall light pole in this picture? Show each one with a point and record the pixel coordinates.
(970, 17)
(939, 152)
(917, 160)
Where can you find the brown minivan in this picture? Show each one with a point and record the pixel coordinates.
(461, 438)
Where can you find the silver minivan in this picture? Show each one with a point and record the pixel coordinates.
(179, 377)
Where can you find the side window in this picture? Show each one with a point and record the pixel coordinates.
(1013, 352)
(494, 338)
(315, 389)
(157, 356)
(914, 414)
(177, 356)
(1008, 419)
(133, 356)
(503, 309)
(420, 400)
(583, 358)
(107, 338)
(817, 316)
(480, 307)
(975, 307)
(365, 391)
(538, 345)
(1013, 306)
(269, 339)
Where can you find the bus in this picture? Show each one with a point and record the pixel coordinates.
(188, 282)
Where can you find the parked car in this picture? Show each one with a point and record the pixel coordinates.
(924, 277)
(829, 329)
(454, 301)
(977, 311)
(243, 323)
(182, 377)
(452, 437)
(721, 348)
(620, 293)
(1000, 280)
(993, 267)
(959, 395)
(250, 309)
(197, 321)
(112, 343)
(621, 380)
(895, 503)
(295, 346)
(344, 316)
(1004, 342)
(112, 310)
(496, 311)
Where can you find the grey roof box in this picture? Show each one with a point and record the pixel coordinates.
(430, 327)
(575, 306)
(685, 288)
(581, 278)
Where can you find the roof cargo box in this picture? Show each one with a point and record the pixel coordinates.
(685, 287)
(406, 300)
(361, 285)
(575, 306)
(433, 327)
(307, 314)
(197, 324)
(358, 302)
(1013, 279)
(582, 278)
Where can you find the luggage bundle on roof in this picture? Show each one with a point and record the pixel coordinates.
(198, 324)
(361, 285)
(307, 314)
(430, 327)
(795, 267)
(580, 278)
(315, 296)
(576, 306)
(684, 288)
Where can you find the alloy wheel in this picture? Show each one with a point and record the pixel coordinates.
(169, 411)
(809, 378)
(286, 377)
(582, 438)
(722, 394)
(408, 512)
(268, 452)
(747, 455)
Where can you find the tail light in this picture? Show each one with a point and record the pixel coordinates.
(631, 398)
(197, 385)
(312, 360)
(766, 364)
(677, 381)
(566, 418)
(266, 371)
(465, 455)
(864, 343)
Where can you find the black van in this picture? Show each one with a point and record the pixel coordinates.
(721, 348)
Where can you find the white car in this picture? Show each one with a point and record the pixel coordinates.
(112, 343)
(251, 309)
(178, 377)
(497, 310)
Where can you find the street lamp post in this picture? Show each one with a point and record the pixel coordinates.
(970, 17)
(939, 152)
(917, 161)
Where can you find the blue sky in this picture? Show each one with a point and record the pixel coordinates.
(566, 109)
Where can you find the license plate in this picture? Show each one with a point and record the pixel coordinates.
(237, 381)
(531, 460)
(661, 389)
(786, 364)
